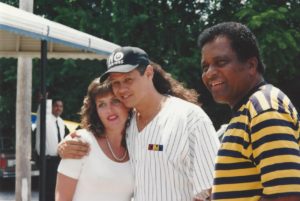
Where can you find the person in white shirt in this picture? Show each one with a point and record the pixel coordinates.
(105, 173)
(172, 143)
(55, 132)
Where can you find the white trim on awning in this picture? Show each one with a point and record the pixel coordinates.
(21, 33)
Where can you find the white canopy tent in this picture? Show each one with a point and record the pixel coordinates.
(23, 34)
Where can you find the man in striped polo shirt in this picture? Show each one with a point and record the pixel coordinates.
(171, 142)
(259, 156)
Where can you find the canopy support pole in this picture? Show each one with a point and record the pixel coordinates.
(42, 181)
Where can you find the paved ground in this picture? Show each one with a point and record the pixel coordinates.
(10, 196)
(7, 190)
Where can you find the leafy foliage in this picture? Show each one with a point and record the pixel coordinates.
(168, 31)
(277, 27)
(8, 73)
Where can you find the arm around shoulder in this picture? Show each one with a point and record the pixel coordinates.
(72, 147)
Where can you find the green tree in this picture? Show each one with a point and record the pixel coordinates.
(168, 31)
(277, 27)
(8, 73)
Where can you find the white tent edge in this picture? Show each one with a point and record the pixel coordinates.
(20, 25)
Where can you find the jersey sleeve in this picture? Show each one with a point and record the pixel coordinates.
(275, 144)
(204, 145)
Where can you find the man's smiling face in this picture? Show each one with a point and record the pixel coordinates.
(226, 77)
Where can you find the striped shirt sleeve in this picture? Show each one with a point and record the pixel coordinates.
(276, 152)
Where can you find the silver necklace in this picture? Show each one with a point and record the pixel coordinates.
(113, 154)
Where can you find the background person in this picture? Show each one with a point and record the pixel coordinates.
(55, 132)
(105, 174)
(259, 157)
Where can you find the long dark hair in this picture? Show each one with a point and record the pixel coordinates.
(164, 83)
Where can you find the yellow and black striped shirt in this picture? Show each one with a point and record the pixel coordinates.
(259, 155)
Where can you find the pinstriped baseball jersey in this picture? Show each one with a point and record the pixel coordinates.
(173, 156)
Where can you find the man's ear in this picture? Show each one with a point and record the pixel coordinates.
(149, 72)
(252, 64)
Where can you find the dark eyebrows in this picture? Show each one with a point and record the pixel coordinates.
(220, 57)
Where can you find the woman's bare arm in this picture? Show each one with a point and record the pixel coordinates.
(65, 188)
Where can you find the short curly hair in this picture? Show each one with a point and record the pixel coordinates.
(243, 41)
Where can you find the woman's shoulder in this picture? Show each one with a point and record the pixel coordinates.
(84, 135)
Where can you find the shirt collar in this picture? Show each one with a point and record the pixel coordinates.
(246, 97)
(54, 117)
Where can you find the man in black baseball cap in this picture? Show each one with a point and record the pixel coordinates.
(124, 60)
(144, 86)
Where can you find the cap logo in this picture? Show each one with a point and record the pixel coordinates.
(116, 59)
(118, 56)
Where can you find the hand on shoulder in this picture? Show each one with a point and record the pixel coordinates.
(72, 146)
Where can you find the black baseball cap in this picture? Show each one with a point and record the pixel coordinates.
(124, 60)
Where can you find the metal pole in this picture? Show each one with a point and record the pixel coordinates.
(42, 181)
